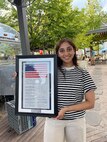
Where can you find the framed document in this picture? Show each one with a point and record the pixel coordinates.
(36, 85)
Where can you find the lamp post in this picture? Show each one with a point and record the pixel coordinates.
(23, 28)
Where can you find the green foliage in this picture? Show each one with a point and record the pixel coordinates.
(51, 20)
(91, 18)
(96, 48)
(82, 41)
(2, 4)
(9, 16)
(94, 14)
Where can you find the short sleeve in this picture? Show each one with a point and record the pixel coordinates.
(88, 82)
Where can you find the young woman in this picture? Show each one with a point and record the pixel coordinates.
(75, 95)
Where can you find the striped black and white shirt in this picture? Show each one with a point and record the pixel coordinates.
(73, 83)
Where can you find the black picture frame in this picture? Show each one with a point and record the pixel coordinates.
(36, 85)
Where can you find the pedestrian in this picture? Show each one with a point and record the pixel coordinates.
(75, 96)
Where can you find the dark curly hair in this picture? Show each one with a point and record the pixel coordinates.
(59, 61)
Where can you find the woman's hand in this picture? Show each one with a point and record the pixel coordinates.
(61, 114)
(14, 75)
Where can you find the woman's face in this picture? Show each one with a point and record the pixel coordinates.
(66, 54)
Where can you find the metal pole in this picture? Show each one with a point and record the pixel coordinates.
(21, 9)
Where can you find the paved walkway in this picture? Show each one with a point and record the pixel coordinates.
(97, 118)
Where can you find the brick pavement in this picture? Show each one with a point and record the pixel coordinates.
(97, 129)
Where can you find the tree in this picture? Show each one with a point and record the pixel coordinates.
(94, 14)
(50, 20)
(9, 16)
(91, 18)
(2, 4)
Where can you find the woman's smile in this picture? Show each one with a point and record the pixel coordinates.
(66, 53)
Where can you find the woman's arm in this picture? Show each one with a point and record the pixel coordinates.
(87, 104)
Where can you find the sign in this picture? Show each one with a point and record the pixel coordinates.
(36, 85)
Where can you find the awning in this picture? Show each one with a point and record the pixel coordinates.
(100, 34)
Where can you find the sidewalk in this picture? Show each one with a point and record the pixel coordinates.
(97, 117)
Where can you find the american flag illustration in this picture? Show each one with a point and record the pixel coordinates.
(36, 70)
